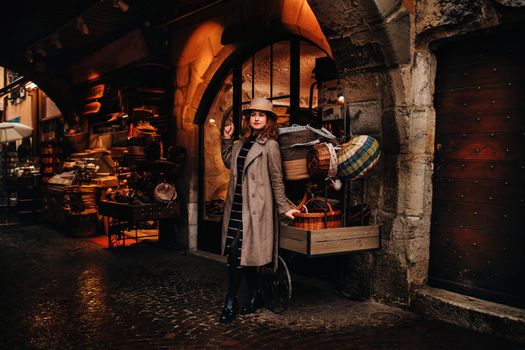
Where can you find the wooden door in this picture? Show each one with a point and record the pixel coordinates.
(478, 213)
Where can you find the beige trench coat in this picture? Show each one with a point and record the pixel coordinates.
(262, 193)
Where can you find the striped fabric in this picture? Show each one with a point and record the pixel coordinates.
(235, 223)
(357, 156)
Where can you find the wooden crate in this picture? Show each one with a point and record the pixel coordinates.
(329, 241)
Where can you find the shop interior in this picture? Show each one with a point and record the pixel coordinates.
(118, 149)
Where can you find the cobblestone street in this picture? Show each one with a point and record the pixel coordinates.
(60, 292)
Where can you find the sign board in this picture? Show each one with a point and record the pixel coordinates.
(328, 101)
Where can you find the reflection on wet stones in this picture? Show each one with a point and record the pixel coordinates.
(151, 298)
(386, 316)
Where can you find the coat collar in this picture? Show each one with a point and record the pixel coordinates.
(255, 151)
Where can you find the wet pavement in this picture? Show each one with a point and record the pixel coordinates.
(59, 292)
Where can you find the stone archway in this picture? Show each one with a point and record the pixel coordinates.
(371, 46)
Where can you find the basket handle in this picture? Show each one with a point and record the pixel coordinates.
(301, 204)
(331, 210)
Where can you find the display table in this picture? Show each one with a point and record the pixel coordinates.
(72, 208)
(128, 215)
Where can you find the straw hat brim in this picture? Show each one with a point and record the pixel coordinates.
(247, 111)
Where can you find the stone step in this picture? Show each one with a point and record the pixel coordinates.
(469, 312)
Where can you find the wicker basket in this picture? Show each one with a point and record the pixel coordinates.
(77, 142)
(322, 161)
(316, 221)
(295, 169)
(295, 142)
(357, 157)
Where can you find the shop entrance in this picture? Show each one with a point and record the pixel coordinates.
(283, 72)
(477, 233)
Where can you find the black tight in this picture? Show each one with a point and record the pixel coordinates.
(250, 272)
(235, 272)
(235, 275)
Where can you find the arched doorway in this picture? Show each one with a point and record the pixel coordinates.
(281, 71)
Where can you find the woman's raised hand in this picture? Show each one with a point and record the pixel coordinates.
(228, 131)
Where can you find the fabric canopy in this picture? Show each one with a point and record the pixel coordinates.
(10, 132)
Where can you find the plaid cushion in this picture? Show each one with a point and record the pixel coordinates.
(357, 156)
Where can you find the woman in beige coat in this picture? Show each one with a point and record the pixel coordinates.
(255, 196)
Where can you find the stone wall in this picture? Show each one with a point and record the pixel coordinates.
(371, 42)
(383, 51)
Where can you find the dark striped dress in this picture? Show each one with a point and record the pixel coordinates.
(234, 236)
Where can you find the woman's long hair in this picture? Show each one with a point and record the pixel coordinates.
(269, 131)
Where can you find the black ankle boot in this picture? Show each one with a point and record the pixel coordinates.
(255, 302)
(229, 312)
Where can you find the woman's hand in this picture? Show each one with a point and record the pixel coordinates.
(291, 213)
(227, 133)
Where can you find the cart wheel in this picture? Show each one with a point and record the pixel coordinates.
(277, 287)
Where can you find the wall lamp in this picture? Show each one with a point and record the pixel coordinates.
(82, 26)
(121, 5)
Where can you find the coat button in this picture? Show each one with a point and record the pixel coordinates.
(253, 195)
(253, 212)
(253, 177)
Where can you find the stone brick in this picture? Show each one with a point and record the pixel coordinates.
(399, 87)
(193, 233)
(417, 249)
(413, 175)
(421, 131)
(363, 87)
(198, 94)
(418, 273)
(409, 227)
(179, 97)
(182, 75)
(423, 76)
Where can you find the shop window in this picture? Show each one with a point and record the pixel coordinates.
(268, 72)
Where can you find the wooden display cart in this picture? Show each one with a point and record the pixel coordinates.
(329, 241)
(277, 285)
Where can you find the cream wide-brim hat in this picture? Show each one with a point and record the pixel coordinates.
(260, 104)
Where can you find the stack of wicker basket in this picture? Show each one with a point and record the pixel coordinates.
(295, 142)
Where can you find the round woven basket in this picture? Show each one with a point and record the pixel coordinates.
(357, 157)
(316, 221)
(322, 161)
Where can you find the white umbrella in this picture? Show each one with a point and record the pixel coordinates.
(14, 131)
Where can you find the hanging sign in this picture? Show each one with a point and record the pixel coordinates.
(329, 104)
